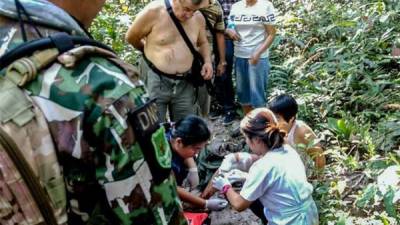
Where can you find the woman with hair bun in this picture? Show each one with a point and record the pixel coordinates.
(277, 179)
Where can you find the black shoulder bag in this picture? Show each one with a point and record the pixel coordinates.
(195, 77)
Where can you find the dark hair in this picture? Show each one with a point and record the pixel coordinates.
(284, 105)
(263, 124)
(191, 129)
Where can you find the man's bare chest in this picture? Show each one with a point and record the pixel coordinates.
(166, 33)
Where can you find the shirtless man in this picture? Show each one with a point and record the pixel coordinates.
(167, 59)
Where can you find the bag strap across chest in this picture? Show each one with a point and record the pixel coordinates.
(180, 28)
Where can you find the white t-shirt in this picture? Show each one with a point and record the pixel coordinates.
(249, 24)
(279, 181)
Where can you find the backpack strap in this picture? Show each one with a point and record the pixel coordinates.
(62, 41)
(36, 189)
(22, 11)
(23, 66)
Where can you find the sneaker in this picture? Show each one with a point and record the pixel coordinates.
(215, 114)
(229, 118)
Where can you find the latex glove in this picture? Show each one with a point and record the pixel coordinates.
(219, 182)
(228, 163)
(216, 204)
(193, 177)
(240, 160)
(236, 175)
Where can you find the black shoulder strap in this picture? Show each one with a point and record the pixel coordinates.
(62, 41)
(22, 11)
(180, 28)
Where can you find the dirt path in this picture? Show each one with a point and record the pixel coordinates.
(229, 216)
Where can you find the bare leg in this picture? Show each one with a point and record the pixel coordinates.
(246, 109)
(209, 190)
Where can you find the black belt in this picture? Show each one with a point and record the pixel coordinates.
(177, 76)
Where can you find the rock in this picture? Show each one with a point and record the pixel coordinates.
(390, 177)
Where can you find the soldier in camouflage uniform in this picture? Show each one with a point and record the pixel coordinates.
(71, 125)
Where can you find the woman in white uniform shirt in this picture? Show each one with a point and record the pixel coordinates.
(278, 179)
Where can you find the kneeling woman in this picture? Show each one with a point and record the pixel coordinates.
(187, 137)
(278, 179)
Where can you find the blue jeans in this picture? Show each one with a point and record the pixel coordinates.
(251, 82)
(225, 94)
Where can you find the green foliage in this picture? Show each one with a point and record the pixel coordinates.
(112, 24)
(367, 196)
(342, 128)
(388, 202)
(335, 58)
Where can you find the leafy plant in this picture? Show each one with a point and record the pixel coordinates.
(341, 127)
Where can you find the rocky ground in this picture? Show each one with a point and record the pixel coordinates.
(227, 139)
(231, 217)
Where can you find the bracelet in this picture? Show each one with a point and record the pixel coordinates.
(225, 188)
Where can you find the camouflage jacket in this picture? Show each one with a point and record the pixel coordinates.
(72, 127)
